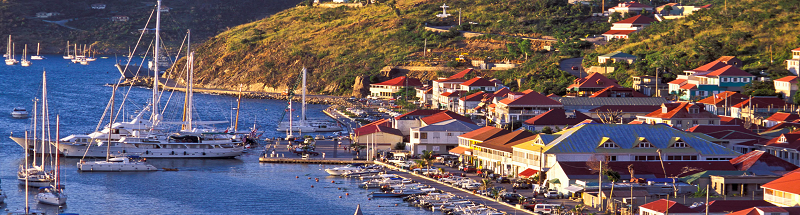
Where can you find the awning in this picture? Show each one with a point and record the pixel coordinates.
(460, 150)
(574, 189)
(555, 181)
(528, 173)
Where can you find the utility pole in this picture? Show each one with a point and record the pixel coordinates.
(459, 16)
(658, 92)
(425, 49)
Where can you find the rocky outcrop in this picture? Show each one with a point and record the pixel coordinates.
(361, 87)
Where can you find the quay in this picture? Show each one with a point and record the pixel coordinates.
(309, 161)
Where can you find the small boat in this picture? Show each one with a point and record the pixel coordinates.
(19, 113)
(337, 171)
(25, 61)
(37, 56)
(52, 195)
(128, 163)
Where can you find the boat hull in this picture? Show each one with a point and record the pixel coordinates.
(21, 142)
(80, 150)
(52, 198)
(19, 115)
(103, 166)
(37, 57)
(35, 183)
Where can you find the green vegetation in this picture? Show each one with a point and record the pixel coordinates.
(206, 18)
(760, 33)
(343, 43)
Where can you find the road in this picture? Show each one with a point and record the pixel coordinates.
(566, 65)
(63, 23)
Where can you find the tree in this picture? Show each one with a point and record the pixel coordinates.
(796, 98)
(610, 116)
(486, 184)
(547, 130)
(400, 146)
(427, 156)
(613, 177)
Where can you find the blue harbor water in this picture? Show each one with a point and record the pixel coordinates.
(79, 94)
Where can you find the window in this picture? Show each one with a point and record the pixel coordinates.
(449, 134)
(646, 158)
(611, 158)
(679, 144)
(645, 144)
(609, 144)
(423, 135)
(416, 135)
(782, 139)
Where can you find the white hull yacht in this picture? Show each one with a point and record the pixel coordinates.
(19, 113)
(128, 163)
(52, 195)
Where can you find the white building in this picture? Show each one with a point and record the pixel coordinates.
(439, 137)
(793, 65)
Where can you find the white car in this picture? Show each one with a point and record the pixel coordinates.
(551, 194)
(471, 186)
(451, 179)
(420, 171)
(545, 208)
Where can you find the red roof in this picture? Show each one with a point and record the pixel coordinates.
(797, 49)
(557, 116)
(505, 142)
(532, 98)
(762, 161)
(477, 96)
(594, 80)
(763, 102)
(619, 32)
(680, 110)
(401, 81)
(638, 19)
(689, 86)
(445, 115)
(460, 150)
(736, 132)
(677, 81)
(782, 125)
(456, 93)
(729, 70)
(485, 133)
(627, 108)
(501, 92)
(370, 129)
(787, 79)
(527, 173)
(663, 205)
(383, 122)
(726, 120)
(416, 114)
(783, 117)
(478, 82)
(612, 91)
(723, 206)
(714, 65)
(553, 95)
(792, 141)
(787, 183)
(719, 99)
(461, 74)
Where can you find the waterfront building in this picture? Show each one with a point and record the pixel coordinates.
(496, 153)
(439, 137)
(467, 141)
(379, 134)
(389, 89)
(412, 119)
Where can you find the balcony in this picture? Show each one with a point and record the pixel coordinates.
(778, 200)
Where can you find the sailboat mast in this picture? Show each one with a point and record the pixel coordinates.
(238, 105)
(58, 165)
(110, 123)
(35, 126)
(189, 79)
(37, 49)
(26, 170)
(155, 65)
(303, 111)
(44, 111)
(25, 52)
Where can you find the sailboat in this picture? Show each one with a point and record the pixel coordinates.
(54, 194)
(77, 58)
(37, 176)
(10, 53)
(25, 61)
(143, 138)
(67, 55)
(90, 57)
(307, 125)
(37, 56)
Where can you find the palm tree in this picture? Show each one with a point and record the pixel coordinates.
(427, 156)
(613, 177)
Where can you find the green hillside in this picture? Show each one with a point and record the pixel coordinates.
(760, 33)
(206, 18)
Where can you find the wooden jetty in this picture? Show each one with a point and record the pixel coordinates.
(309, 161)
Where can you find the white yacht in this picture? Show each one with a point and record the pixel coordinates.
(52, 195)
(128, 163)
(19, 113)
(37, 56)
(36, 177)
(336, 171)
(306, 125)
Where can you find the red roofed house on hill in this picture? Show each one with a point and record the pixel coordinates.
(786, 86)
(720, 103)
(585, 86)
(761, 161)
(682, 115)
(468, 103)
(555, 118)
(793, 65)
(663, 206)
(621, 29)
(720, 75)
(412, 119)
(755, 106)
(479, 83)
(734, 137)
(449, 84)
(518, 106)
(388, 89)
(786, 146)
(780, 117)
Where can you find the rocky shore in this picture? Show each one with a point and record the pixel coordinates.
(172, 85)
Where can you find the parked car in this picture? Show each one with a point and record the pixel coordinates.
(546, 208)
(502, 179)
(424, 170)
(469, 169)
(574, 68)
(471, 186)
(521, 185)
(511, 197)
(552, 194)
(460, 183)
(485, 172)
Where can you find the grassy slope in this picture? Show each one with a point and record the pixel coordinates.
(760, 33)
(342, 43)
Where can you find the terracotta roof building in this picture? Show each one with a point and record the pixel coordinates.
(663, 206)
(388, 89)
(555, 118)
(449, 84)
(495, 153)
(682, 115)
(385, 137)
(587, 85)
(786, 86)
(519, 106)
(467, 141)
(439, 137)
(622, 29)
(614, 91)
(782, 191)
(717, 76)
(735, 137)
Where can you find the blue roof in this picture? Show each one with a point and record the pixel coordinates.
(586, 138)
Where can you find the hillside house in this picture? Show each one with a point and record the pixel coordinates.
(468, 104)
(779, 118)
(720, 75)
(585, 86)
(647, 85)
(783, 191)
(786, 86)
(793, 65)
(119, 18)
(479, 83)
(615, 57)
(631, 7)
(99, 6)
(449, 84)
(521, 106)
(555, 118)
(621, 29)
(389, 89)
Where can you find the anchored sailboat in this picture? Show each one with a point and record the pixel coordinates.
(306, 125)
(37, 56)
(10, 53)
(37, 176)
(54, 194)
(67, 55)
(25, 61)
